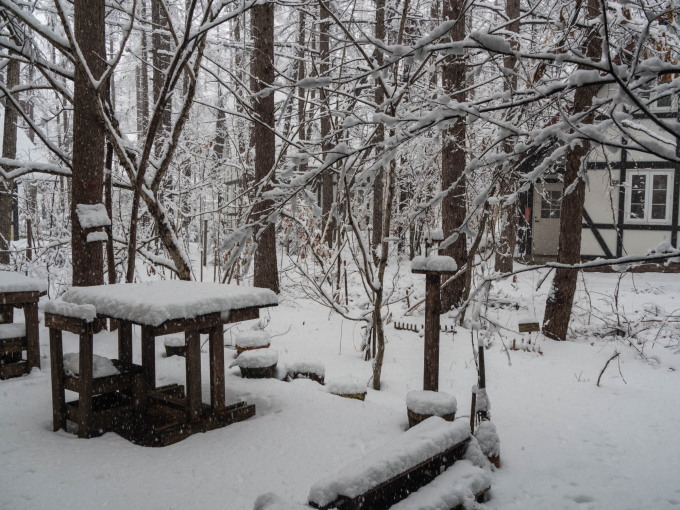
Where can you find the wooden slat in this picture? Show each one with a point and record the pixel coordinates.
(70, 324)
(125, 341)
(528, 327)
(245, 314)
(208, 320)
(18, 298)
(13, 345)
(13, 370)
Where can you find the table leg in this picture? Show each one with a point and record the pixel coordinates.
(58, 392)
(149, 355)
(32, 337)
(6, 314)
(193, 368)
(125, 341)
(85, 393)
(216, 346)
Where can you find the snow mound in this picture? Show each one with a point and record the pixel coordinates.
(436, 403)
(88, 313)
(455, 487)
(252, 338)
(488, 439)
(434, 263)
(258, 358)
(101, 366)
(270, 501)
(92, 215)
(307, 366)
(414, 446)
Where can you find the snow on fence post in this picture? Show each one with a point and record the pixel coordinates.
(433, 267)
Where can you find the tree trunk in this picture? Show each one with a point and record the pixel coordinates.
(9, 150)
(505, 249)
(561, 297)
(88, 139)
(380, 130)
(142, 90)
(262, 69)
(326, 143)
(454, 208)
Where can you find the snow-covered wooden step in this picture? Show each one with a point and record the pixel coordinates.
(460, 486)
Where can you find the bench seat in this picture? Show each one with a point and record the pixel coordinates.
(390, 473)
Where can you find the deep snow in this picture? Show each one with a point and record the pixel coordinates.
(565, 443)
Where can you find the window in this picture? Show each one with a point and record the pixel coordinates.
(665, 102)
(648, 197)
(550, 204)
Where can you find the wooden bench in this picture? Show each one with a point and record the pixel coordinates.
(392, 472)
(112, 403)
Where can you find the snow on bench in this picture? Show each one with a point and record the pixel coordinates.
(390, 473)
(101, 366)
(12, 330)
(87, 313)
(458, 487)
(16, 282)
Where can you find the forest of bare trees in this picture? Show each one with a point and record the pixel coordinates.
(318, 141)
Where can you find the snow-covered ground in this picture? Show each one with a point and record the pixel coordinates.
(565, 443)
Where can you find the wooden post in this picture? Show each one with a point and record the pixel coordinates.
(125, 341)
(58, 393)
(149, 355)
(85, 385)
(32, 336)
(432, 310)
(193, 373)
(216, 345)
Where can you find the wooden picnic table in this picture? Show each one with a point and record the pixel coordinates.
(19, 291)
(174, 306)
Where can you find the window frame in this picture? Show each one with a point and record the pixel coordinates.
(648, 197)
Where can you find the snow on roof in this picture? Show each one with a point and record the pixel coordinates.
(434, 263)
(16, 282)
(92, 215)
(414, 446)
(153, 303)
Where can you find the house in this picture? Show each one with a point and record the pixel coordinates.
(632, 198)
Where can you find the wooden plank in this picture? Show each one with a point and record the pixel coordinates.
(245, 314)
(528, 327)
(208, 320)
(85, 392)
(13, 370)
(58, 393)
(216, 347)
(19, 298)
(149, 355)
(32, 335)
(70, 324)
(125, 341)
(431, 343)
(193, 374)
(8, 345)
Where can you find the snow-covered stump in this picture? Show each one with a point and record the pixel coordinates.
(306, 369)
(433, 267)
(252, 339)
(347, 387)
(421, 405)
(257, 363)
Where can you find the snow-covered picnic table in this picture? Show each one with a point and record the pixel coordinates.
(19, 291)
(174, 306)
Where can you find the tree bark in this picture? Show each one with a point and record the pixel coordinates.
(505, 249)
(262, 69)
(326, 143)
(454, 208)
(561, 297)
(9, 150)
(88, 139)
(379, 95)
